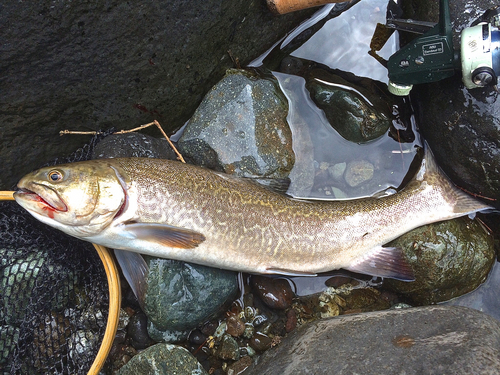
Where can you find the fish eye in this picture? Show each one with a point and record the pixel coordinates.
(55, 176)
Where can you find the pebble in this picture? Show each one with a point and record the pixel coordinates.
(228, 349)
(260, 342)
(240, 366)
(235, 326)
(336, 171)
(163, 359)
(358, 172)
(275, 293)
(138, 331)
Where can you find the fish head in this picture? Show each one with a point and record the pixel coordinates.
(80, 198)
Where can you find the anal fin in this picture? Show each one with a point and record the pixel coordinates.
(384, 262)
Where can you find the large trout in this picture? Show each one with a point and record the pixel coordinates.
(172, 210)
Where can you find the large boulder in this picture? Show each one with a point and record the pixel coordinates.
(92, 65)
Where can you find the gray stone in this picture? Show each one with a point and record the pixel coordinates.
(166, 335)
(336, 171)
(358, 172)
(92, 65)
(241, 128)
(163, 359)
(449, 258)
(428, 340)
(356, 113)
(182, 295)
(228, 348)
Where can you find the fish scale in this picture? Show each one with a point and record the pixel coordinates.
(179, 211)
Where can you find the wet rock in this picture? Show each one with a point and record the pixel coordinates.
(240, 127)
(138, 331)
(449, 259)
(291, 320)
(228, 349)
(163, 359)
(462, 126)
(197, 337)
(182, 295)
(260, 342)
(133, 145)
(275, 293)
(88, 66)
(358, 172)
(336, 171)
(437, 339)
(238, 367)
(356, 113)
(235, 326)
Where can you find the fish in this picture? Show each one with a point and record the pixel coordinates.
(167, 209)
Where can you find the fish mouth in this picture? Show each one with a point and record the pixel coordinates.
(51, 199)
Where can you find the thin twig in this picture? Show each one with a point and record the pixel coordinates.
(476, 195)
(156, 123)
(179, 156)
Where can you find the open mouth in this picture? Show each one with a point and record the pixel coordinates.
(53, 203)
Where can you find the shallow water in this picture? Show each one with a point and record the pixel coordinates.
(340, 46)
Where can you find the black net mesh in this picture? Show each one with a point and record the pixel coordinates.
(53, 294)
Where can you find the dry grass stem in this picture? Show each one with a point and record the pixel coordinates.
(156, 123)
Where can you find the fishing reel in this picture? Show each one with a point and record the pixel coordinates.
(431, 57)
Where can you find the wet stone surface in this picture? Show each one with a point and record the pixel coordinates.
(355, 112)
(428, 340)
(133, 145)
(182, 295)
(163, 359)
(240, 128)
(275, 293)
(449, 259)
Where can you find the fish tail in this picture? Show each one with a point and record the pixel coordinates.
(462, 203)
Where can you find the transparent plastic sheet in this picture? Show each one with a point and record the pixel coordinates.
(53, 293)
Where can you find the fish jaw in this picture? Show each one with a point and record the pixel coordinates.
(39, 199)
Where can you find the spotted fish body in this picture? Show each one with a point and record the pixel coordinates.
(179, 211)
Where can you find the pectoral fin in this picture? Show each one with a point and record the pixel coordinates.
(135, 270)
(166, 235)
(384, 262)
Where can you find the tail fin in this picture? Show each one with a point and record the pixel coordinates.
(463, 203)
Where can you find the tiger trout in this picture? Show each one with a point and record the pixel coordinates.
(178, 211)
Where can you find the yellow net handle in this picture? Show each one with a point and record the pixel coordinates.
(114, 299)
(6, 195)
(114, 308)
